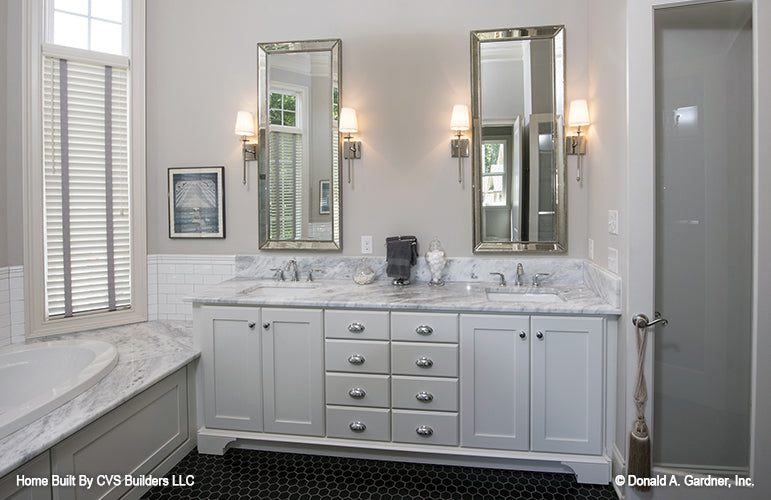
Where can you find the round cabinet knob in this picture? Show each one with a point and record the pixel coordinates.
(424, 431)
(424, 330)
(357, 426)
(355, 328)
(539, 335)
(356, 359)
(424, 362)
(357, 393)
(252, 324)
(425, 397)
(266, 325)
(522, 335)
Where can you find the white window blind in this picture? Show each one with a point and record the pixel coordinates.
(285, 185)
(86, 188)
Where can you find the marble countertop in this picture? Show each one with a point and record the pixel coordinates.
(453, 296)
(147, 352)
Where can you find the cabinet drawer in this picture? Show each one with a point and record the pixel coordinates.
(437, 360)
(425, 427)
(352, 324)
(356, 356)
(358, 390)
(359, 423)
(424, 393)
(424, 327)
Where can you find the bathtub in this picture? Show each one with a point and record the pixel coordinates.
(36, 378)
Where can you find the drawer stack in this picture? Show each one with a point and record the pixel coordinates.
(424, 381)
(358, 385)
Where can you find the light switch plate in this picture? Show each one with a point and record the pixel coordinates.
(366, 244)
(612, 260)
(590, 248)
(613, 221)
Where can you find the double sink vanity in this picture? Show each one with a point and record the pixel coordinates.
(469, 373)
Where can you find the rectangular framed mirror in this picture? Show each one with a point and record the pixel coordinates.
(518, 127)
(300, 195)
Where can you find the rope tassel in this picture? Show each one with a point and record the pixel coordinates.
(639, 463)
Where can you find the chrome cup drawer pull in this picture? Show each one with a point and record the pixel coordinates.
(425, 397)
(355, 328)
(424, 431)
(356, 359)
(424, 330)
(357, 393)
(424, 362)
(357, 426)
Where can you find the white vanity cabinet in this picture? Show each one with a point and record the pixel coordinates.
(262, 369)
(532, 383)
(468, 387)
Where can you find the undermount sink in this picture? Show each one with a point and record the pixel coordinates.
(279, 289)
(526, 294)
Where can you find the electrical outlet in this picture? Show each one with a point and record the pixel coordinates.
(613, 221)
(612, 260)
(591, 249)
(366, 244)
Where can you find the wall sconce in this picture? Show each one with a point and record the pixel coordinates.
(576, 144)
(245, 128)
(459, 146)
(349, 124)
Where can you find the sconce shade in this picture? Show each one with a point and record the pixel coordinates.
(349, 124)
(579, 113)
(244, 124)
(459, 119)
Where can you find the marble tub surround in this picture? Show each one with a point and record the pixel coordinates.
(147, 352)
(564, 271)
(453, 296)
(604, 283)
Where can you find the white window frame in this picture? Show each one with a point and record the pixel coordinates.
(34, 270)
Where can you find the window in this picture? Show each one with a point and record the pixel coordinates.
(86, 251)
(494, 173)
(287, 162)
(283, 109)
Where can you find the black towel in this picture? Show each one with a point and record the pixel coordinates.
(401, 255)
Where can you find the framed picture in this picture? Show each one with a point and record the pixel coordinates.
(197, 202)
(324, 188)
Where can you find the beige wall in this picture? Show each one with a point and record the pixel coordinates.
(606, 165)
(10, 158)
(3, 119)
(405, 64)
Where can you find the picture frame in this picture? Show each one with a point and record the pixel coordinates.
(196, 202)
(324, 197)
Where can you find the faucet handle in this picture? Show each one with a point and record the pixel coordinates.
(501, 277)
(310, 273)
(537, 278)
(279, 273)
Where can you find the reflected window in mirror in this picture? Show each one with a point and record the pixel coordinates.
(518, 162)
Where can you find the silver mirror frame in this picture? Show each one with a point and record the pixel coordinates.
(528, 33)
(264, 50)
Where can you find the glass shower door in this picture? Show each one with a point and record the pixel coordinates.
(702, 359)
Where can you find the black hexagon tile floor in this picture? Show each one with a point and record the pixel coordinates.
(260, 474)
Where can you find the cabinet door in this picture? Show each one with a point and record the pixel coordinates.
(229, 339)
(293, 371)
(567, 363)
(494, 378)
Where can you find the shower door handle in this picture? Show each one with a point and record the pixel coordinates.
(640, 320)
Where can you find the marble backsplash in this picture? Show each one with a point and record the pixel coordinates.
(562, 270)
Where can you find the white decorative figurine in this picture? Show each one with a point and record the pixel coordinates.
(436, 260)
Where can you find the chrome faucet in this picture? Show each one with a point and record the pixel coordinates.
(518, 275)
(291, 268)
(537, 278)
(501, 277)
(278, 274)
